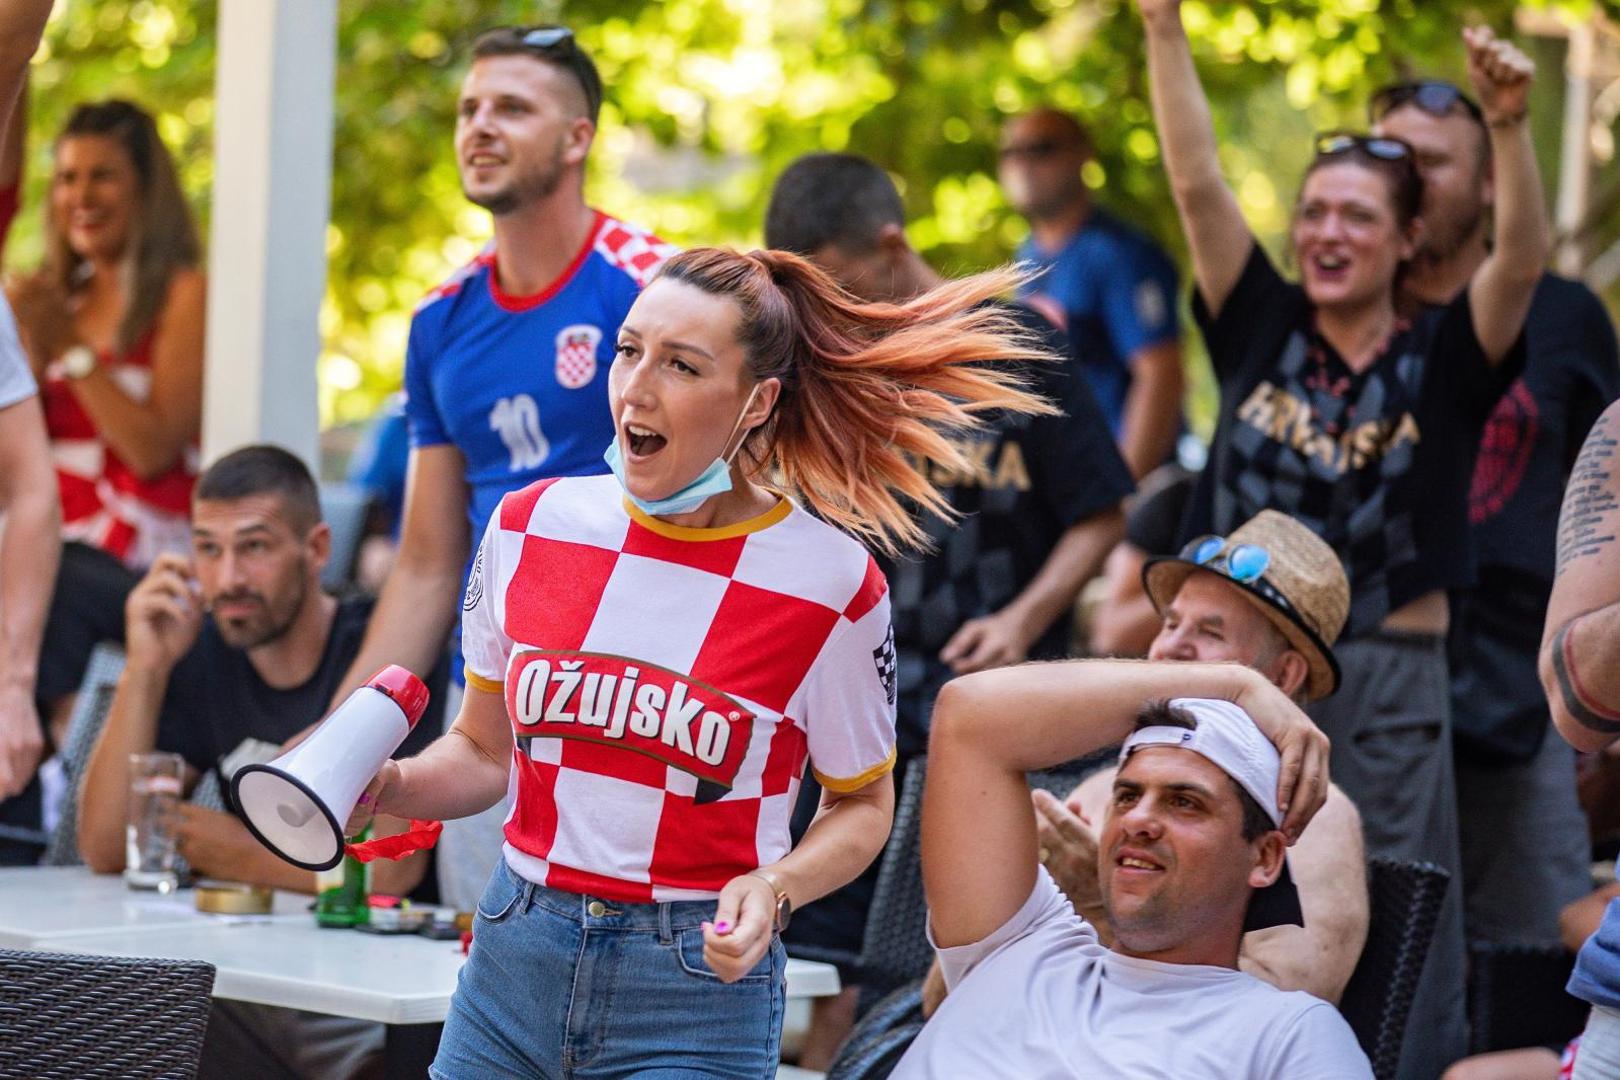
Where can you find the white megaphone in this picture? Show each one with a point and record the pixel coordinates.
(297, 804)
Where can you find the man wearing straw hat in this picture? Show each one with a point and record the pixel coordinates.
(1272, 596)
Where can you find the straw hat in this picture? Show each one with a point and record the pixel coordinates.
(1304, 591)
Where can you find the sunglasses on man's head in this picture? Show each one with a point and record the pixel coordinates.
(557, 43)
(1245, 564)
(1334, 143)
(1434, 96)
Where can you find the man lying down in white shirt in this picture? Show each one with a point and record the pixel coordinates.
(1193, 833)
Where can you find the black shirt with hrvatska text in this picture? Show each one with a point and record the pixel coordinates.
(1036, 477)
(1377, 463)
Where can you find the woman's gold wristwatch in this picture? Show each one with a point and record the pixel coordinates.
(784, 906)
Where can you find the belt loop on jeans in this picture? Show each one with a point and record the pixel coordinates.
(666, 929)
(527, 898)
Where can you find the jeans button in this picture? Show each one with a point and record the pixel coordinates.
(596, 909)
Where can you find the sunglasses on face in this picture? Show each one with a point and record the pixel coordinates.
(1433, 96)
(1334, 143)
(1033, 151)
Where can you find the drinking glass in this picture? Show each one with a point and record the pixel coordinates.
(149, 837)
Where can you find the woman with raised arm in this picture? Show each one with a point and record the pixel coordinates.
(653, 656)
(1363, 424)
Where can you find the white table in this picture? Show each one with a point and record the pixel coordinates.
(44, 904)
(404, 981)
(392, 979)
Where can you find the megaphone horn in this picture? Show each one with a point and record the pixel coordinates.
(296, 805)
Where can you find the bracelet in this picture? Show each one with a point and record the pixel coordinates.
(1503, 123)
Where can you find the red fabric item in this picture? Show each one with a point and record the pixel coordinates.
(419, 837)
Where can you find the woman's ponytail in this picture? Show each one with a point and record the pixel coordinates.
(870, 392)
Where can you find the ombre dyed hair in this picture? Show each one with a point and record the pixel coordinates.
(867, 389)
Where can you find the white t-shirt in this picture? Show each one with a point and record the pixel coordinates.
(16, 380)
(1042, 997)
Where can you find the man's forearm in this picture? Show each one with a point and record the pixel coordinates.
(29, 555)
(1152, 408)
(1052, 728)
(1077, 557)
(409, 625)
(1583, 659)
(131, 728)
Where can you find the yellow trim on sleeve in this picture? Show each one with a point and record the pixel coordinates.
(478, 682)
(855, 783)
(725, 532)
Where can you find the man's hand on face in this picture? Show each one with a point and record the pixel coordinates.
(1068, 848)
(986, 642)
(1501, 74)
(163, 615)
(215, 843)
(22, 740)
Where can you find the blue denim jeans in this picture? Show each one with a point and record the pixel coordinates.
(560, 985)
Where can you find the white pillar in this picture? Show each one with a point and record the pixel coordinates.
(1575, 168)
(267, 244)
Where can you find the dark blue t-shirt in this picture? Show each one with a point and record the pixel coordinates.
(1116, 289)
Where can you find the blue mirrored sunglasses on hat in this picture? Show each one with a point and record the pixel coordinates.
(1241, 562)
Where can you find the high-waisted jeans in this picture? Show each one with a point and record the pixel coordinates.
(560, 985)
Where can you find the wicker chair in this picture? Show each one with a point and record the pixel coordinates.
(66, 1017)
(1404, 903)
(89, 715)
(875, 1044)
(1516, 997)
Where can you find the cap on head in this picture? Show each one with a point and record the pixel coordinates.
(1303, 590)
(1223, 734)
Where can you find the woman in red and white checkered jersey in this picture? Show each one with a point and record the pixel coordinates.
(654, 656)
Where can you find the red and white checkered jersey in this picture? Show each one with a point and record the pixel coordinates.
(665, 685)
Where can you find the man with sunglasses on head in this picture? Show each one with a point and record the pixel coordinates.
(507, 362)
(1107, 284)
(1272, 597)
(1524, 850)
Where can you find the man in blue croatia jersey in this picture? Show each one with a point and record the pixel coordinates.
(507, 362)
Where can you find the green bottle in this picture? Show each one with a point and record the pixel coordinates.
(341, 893)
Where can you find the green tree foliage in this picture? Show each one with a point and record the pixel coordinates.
(709, 99)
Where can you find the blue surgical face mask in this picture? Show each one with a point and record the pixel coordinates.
(715, 480)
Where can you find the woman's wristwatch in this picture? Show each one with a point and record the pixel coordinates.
(784, 906)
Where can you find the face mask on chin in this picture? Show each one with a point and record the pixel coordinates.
(712, 481)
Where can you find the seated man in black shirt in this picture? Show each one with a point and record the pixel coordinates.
(231, 653)
(1033, 525)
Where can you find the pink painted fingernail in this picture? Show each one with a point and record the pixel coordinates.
(365, 799)
(722, 928)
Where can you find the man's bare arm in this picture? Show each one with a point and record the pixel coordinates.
(422, 598)
(1580, 648)
(30, 548)
(1329, 865)
(1152, 407)
(21, 24)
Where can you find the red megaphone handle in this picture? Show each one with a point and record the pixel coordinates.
(419, 837)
